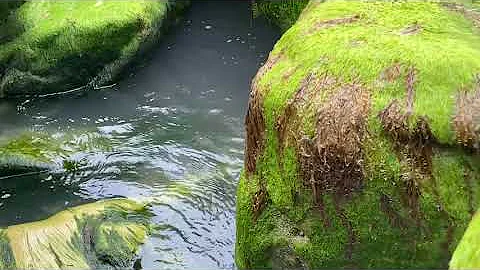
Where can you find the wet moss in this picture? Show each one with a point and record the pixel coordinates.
(282, 13)
(466, 254)
(411, 193)
(66, 45)
(103, 233)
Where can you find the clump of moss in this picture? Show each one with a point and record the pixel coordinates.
(71, 44)
(282, 13)
(360, 143)
(89, 236)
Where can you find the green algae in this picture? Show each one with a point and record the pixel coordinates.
(386, 223)
(281, 13)
(466, 254)
(102, 233)
(41, 150)
(68, 44)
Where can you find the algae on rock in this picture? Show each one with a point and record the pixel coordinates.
(362, 145)
(78, 44)
(282, 13)
(104, 233)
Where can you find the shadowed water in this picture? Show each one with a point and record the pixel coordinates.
(174, 129)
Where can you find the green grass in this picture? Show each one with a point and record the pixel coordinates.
(446, 57)
(65, 44)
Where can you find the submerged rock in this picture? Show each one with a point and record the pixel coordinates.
(362, 140)
(100, 234)
(66, 45)
(36, 151)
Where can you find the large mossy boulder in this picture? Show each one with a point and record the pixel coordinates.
(362, 139)
(67, 45)
(96, 235)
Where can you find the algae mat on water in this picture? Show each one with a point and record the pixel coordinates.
(69, 44)
(362, 139)
(104, 233)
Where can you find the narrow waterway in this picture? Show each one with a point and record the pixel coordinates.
(173, 131)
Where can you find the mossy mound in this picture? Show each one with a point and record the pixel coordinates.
(362, 144)
(100, 234)
(71, 44)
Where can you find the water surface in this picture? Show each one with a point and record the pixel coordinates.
(174, 131)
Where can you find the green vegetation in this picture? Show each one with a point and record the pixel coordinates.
(69, 44)
(105, 233)
(282, 13)
(466, 254)
(40, 150)
(405, 74)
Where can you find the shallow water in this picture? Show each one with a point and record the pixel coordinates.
(175, 136)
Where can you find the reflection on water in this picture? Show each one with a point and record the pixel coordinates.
(175, 135)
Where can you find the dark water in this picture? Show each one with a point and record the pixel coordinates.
(174, 133)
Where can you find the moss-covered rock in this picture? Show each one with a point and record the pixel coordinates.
(104, 233)
(362, 138)
(71, 44)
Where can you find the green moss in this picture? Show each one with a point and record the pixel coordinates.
(66, 44)
(383, 224)
(91, 235)
(282, 13)
(366, 48)
(466, 254)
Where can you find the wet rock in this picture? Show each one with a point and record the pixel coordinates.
(96, 235)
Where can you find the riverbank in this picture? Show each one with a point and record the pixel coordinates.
(78, 45)
(361, 146)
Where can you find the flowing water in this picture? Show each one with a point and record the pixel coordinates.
(172, 131)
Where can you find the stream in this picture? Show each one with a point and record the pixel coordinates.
(175, 135)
